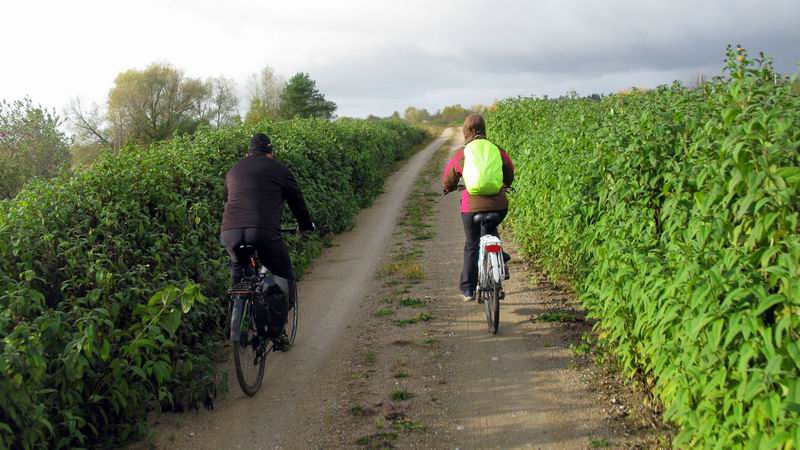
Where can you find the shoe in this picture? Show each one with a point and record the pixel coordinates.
(468, 296)
(281, 343)
(505, 269)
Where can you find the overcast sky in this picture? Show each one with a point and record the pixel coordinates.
(379, 56)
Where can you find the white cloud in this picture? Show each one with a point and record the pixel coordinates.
(379, 56)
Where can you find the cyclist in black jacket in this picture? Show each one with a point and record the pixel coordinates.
(255, 190)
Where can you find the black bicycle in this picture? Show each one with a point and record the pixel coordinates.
(251, 346)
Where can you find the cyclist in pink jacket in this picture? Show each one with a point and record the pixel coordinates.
(489, 171)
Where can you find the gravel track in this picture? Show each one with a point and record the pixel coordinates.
(469, 389)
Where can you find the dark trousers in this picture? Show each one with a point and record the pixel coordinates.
(270, 249)
(472, 230)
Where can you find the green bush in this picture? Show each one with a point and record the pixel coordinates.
(112, 280)
(674, 213)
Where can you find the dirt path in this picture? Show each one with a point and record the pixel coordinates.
(424, 373)
(282, 414)
(388, 356)
(520, 388)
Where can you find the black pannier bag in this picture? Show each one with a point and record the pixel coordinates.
(271, 308)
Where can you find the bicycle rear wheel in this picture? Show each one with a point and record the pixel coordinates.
(491, 302)
(250, 351)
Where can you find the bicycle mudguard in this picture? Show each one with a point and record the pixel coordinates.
(497, 267)
(493, 246)
(237, 315)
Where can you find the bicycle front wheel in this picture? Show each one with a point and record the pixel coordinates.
(250, 351)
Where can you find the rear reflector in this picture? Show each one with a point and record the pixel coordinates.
(494, 248)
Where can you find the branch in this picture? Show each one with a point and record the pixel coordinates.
(79, 120)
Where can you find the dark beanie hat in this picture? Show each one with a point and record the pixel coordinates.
(260, 143)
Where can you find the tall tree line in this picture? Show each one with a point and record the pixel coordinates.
(142, 107)
(159, 102)
(154, 104)
(449, 115)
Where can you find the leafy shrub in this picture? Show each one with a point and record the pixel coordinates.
(112, 281)
(31, 145)
(675, 215)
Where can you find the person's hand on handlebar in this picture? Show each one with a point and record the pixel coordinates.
(297, 231)
(459, 187)
(302, 233)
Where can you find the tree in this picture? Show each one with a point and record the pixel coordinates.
(88, 126)
(31, 145)
(414, 115)
(223, 103)
(300, 98)
(395, 116)
(698, 80)
(155, 104)
(453, 114)
(266, 89)
(152, 105)
(478, 109)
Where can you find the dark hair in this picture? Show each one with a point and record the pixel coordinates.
(474, 126)
(260, 143)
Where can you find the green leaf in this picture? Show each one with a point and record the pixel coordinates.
(105, 350)
(161, 371)
(171, 321)
(186, 302)
(793, 407)
(767, 302)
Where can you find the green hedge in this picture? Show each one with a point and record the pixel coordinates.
(674, 213)
(112, 280)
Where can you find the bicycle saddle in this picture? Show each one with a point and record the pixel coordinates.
(244, 252)
(486, 217)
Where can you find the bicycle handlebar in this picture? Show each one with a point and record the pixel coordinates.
(296, 229)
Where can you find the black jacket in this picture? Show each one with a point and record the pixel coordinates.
(255, 189)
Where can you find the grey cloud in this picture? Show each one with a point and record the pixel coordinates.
(644, 48)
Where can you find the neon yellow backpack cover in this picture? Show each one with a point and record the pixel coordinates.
(483, 168)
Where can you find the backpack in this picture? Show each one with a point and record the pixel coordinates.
(483, 168)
